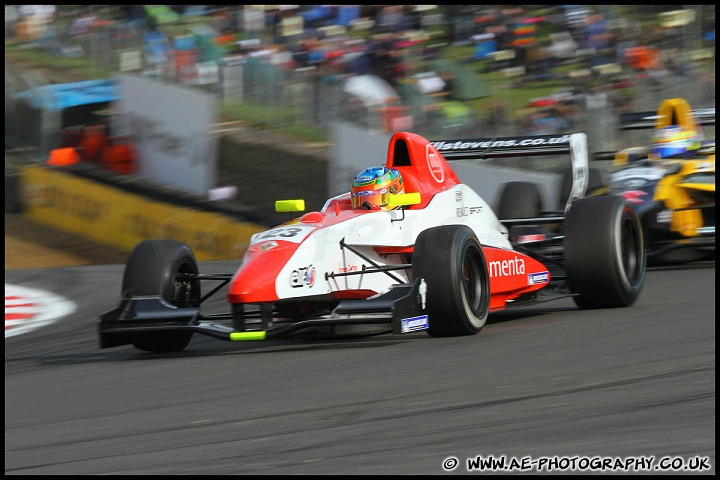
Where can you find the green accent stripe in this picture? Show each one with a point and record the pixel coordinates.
(242, 336)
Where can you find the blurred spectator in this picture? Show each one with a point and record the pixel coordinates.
(133, 15)
(383, 59)
(380, 47)
(537, 62)
(224, 22)
(346, 14)
(644, 60)
(316, 16)
(575, 18)
(92, 143)
(12, 16)
(459, 22)
(675, 64)
(33, 20)
(548, 121)
(359, 62)
(391, 19)
(498, 119)
(598, 39)
(430, 83)
(290, 25)
(282, 57)
(119, 155)
(253, 21)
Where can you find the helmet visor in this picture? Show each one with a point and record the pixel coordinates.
(669, 150)
(373, 197)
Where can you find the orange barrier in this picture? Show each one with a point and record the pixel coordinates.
(63, 156)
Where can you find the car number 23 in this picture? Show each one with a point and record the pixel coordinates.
(290, 233)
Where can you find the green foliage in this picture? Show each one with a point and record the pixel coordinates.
(278, 118)
(73, 65)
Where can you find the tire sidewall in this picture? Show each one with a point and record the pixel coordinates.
(150, 270)
(519, 200)
(595, 249)
(439, 257)
(470, 246)
(152, 266)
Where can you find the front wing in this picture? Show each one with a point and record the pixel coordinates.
(401, 310)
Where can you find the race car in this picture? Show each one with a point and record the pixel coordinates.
(670, 182)
(434, 258)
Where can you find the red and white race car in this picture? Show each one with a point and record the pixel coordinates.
(440, 261)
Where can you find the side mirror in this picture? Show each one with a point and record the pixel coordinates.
(290, 205)
(404, 199)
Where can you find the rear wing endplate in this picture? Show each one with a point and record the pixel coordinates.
(574, 144)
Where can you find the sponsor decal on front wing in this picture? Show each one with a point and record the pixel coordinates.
(414, 324)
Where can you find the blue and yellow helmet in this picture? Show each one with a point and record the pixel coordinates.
(673, 141)
(374, 185)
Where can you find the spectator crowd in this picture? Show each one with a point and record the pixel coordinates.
(608, 46)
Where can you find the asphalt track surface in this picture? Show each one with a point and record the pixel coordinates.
(546, 384)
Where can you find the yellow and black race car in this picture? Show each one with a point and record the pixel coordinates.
(670, 182)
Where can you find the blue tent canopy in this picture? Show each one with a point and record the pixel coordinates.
(65, 95)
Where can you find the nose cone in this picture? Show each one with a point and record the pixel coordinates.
(255, 280)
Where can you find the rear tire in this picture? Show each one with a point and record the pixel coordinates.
(604, 253)
(595, 182)
(152, 270)
(519, 200)
(451, 260)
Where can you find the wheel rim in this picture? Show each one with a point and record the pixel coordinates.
(628, 252)
(185, 289)
(473, 281)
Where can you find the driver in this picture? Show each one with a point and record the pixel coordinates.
(674, 142)
(373, 186)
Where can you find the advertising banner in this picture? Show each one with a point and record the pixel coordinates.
(114, 217)
(171, 128)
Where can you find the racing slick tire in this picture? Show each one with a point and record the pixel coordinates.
(451, 260)
(519, 200)
(151, 269)
(605, 256)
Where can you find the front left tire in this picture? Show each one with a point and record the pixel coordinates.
(157, 268)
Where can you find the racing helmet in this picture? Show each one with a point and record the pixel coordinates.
(673, 141)
(373, 186)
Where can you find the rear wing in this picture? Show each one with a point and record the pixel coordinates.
(648, 120)
(573, 144)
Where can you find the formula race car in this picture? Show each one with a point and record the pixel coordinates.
(435, 258)
(670, 182)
